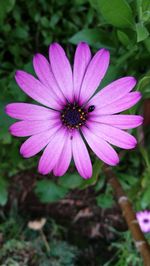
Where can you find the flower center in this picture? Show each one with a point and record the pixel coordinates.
(73, 116)
(146, 221)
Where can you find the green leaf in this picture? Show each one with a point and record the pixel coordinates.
(5, 7)
(127, 181)
(101, 182)
(117, 13)
(105, 201)
(48, 191)
(93, 3)
(145, 5)
(94, 37)
(146, 16)
(96, 171)
(3, 191)
(71, 181)
(5, 122)
(21, 33)
(142, 32)
(123, 38)
(145, 199)
(111, 75)
(143, 86)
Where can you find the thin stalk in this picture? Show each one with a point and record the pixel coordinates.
(45, 241)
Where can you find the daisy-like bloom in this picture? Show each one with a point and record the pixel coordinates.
(143, 218)
(72, 114)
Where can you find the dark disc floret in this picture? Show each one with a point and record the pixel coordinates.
(73, 116)
(146, 221)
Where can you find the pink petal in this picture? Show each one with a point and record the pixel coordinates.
(120, 121)
(94, 74)
(62, 70)
(44, 72)
(81, 61)
(27, 111)
(120, 105)
(81, 156)
(64, 160)
(28, 128)
(36, 90)
(52, 152)
(113, 135)
(113, 92)
(101, 148)
(36, 143)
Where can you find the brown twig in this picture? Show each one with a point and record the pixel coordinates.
(129, 215)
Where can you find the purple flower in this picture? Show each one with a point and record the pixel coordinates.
(143, 218)
(71, 113)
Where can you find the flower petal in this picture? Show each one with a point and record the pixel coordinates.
(36, 143)
(27, 111)
(44, 72)
(64, 160)
(62, 70)
(36, 90)
(143, 218)
(81, 156)
(113, 92)
(94, 74)
(120, 121)
(28, 128)
(100, 147)
(51, 154)
(113, 135)
(81, 61)
(120, 105)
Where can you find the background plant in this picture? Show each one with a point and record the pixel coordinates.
(122, 27)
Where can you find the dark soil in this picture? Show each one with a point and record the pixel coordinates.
(87, 225)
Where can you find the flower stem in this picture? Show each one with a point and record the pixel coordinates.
(129, 215)
(45, 241)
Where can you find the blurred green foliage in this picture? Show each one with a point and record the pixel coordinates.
(22, 246)
(126, 252)
(121, 26)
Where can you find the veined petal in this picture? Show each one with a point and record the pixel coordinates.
(113, 135)
(81, 61)
(120, 105)
(81, 156)
(113, 92)
(44, 72)
(36, 143)
(100, 147)
(62, 70)
(28, 128)
(94, 74)
(27, 111)
(52, 152)
(36, 90)
(65, 158)
(120, 121)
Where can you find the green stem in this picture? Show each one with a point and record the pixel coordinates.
(45, 241)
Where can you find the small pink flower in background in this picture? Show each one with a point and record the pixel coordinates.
(143, 218)
(72, 114)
